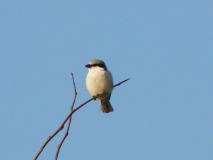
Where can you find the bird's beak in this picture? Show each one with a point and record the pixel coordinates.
(87, 65)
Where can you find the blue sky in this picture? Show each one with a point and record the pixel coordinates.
(164, 112)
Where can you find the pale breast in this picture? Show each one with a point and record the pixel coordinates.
(99, 82)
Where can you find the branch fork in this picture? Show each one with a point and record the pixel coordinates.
(68, 120)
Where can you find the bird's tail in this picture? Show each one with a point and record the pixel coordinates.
(106, 106)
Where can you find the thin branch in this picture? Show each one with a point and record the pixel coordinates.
(118, 84)
(66, 119)
(70, 120)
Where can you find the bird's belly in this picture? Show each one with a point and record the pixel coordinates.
(99, 83)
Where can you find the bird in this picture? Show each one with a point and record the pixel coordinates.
(99, 83)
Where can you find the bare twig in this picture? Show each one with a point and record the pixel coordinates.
(66, 119)
(70, 120)
(118, 84)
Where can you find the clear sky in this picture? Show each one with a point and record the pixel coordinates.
(164, 113)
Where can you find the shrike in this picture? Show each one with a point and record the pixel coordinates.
(99, 83)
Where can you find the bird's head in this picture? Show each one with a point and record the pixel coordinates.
(96, 63)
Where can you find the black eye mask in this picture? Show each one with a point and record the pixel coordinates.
(96, 65)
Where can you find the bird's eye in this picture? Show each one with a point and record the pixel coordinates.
(101, 65)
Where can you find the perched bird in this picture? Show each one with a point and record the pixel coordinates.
(99, 83)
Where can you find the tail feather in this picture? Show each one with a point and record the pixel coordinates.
(106, 106)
